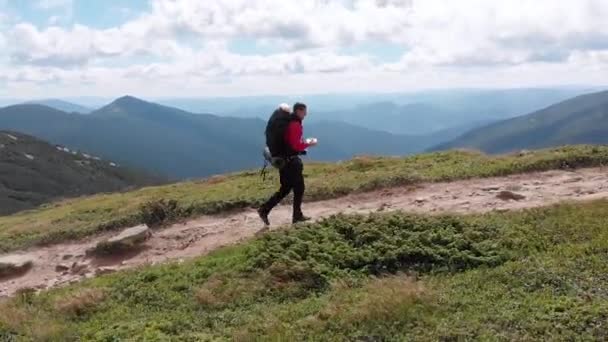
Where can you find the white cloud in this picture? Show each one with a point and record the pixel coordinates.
(186, 42)
(478, 32)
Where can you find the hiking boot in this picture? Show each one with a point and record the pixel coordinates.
(264, 216)
(300, 218)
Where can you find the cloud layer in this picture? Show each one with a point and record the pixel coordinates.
(198, 43)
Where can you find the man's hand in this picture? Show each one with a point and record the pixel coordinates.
(312, 141)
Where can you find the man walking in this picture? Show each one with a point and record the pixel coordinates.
(284, 140)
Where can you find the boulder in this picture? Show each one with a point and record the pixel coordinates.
(132, 236)
(127, 239)
(11, 265)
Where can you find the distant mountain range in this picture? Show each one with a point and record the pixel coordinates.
(179, 144)
(580, 120)
(64, 106)
(422, 113)
(33, 172)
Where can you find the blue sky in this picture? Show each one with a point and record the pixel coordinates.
(246, 47)
(96, 14)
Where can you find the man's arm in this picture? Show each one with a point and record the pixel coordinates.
(294, 137)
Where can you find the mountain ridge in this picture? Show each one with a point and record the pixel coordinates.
(578, 120)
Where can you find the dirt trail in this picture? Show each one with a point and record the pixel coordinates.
(204, 234)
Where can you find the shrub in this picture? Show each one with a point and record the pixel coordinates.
(160, 212)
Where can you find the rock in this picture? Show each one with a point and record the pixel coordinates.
(79, 269)
(133, 235)
(67, 256)
(420, 200)
(104, 270)
(61, 268)
(384, 206)
(11, 265)
(491, 188)
(127, 239)
(509, 195)
(514, 187)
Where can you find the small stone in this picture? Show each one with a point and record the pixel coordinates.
(12, 265)
(67, 256)
(420, 200)
(509, 195)
(61, 268)
(104, 270)
(514, 187)
(79, 269)
(491, 188)
(383, 207)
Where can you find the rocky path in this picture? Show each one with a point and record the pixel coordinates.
(60, 264)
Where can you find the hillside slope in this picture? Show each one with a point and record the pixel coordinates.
(195, 237)
(580, 120)
(33, 172)
(372, 272)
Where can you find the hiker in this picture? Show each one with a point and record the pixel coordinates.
(284, 141)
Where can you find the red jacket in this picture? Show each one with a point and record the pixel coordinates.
(293, 136)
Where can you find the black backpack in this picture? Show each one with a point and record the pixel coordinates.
(277, 151)
(275, 133)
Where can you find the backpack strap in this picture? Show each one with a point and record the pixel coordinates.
(263, 172)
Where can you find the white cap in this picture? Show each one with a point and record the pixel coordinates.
(285, 107)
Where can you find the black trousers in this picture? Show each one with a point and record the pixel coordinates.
(292, 178)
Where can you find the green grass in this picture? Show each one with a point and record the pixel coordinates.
(537, 274)
(80, 217)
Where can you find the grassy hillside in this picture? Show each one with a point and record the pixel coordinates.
(531, 275)
(76, 218)
(33, 172)
(581, 120)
